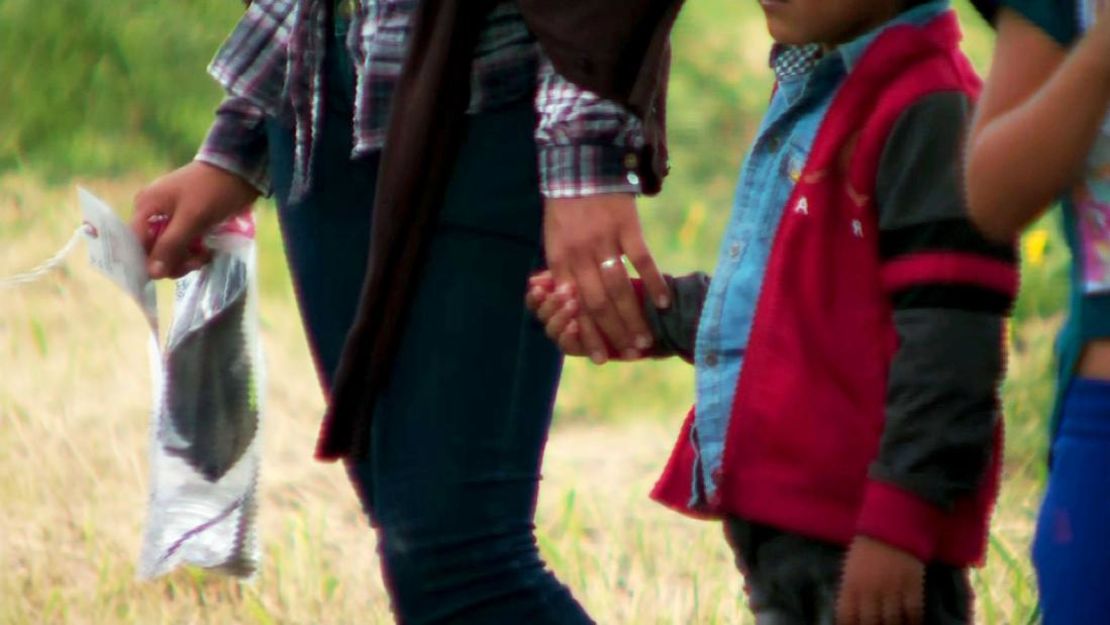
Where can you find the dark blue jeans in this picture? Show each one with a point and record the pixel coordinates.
(458, 434)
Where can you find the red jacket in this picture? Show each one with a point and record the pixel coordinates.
(810, 405)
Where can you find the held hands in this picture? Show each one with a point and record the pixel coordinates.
(189, 202)
(882, 585)
(585, 240)
(557, 308)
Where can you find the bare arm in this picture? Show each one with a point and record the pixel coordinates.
(1037, 121)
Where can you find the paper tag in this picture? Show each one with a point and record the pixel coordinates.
(117, 253)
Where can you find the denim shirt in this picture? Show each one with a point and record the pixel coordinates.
(807, 84)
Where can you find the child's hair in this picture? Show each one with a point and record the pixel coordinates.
(986, 8)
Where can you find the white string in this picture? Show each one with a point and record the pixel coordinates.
(37, 273)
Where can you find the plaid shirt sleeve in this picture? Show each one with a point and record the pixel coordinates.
(250, 66)
(587, 145)
(251, 63)
(236, 142)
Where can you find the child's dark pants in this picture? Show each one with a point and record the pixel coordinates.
(794, 580)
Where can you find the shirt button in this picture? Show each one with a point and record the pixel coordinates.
(632, 178)
(734, 250)
(711, 359)
(631, 161)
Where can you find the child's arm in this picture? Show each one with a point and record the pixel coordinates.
(950, 290)
(1036, 123)
(675, 328)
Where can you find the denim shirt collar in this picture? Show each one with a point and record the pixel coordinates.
(853, 51)
(793, 61)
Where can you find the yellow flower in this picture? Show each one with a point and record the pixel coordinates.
(694, 219)
(1035, 243)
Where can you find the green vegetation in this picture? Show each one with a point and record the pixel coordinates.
(97, 88)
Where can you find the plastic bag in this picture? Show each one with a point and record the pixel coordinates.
(205, 451)
(205, 445)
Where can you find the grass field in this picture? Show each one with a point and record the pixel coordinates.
(74, 393)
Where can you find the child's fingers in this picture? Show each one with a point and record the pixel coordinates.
(542, 279)
(558, 322)
(541, 286)
(847, 608)
(535, 298)
(546, 310)
(913, 603)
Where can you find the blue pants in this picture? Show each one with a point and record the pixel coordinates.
(459, 430)
(1071, 549)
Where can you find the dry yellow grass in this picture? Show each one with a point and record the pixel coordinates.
(74, 404)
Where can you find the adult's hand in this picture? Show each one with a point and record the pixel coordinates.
(586, 239)
(189, 202)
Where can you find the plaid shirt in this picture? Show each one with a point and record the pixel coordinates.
(271, 65)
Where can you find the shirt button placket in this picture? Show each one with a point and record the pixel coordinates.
(735, 249)
(631, 164)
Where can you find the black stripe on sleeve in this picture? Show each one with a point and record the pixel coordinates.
(953, 296)
(948, 235)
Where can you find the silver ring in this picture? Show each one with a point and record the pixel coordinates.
(610, 263)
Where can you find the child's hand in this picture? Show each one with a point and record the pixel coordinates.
(557, 310)
(882, 585)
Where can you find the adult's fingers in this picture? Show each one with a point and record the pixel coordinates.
(627, 304)
(592, 343)
(570, 341)
(600, 309)
(870, 610)
(150, 207)
(174, 247)
(632, 241)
